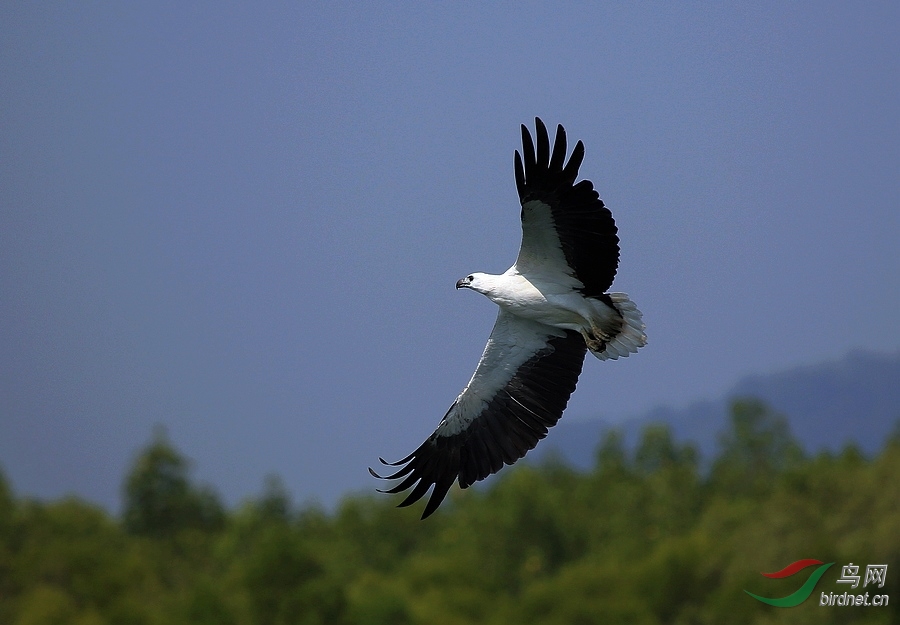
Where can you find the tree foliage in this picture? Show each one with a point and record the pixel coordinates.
(159, 497)
(646, 537)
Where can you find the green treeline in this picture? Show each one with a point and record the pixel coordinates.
(644, 538)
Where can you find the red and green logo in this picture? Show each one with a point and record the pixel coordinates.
(802, 593)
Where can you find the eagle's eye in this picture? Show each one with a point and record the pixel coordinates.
(470, 278)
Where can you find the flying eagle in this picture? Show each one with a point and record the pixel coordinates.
(554, 306)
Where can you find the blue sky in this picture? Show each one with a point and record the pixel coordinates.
(246, 223)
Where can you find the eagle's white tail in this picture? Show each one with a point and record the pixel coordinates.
(631, 337)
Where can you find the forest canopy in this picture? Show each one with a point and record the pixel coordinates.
(647, 536)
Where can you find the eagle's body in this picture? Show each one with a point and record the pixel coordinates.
(553, 308)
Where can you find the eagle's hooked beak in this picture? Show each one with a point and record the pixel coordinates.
(463, 283)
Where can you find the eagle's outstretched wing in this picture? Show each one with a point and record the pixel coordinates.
(520, 389)
(565, 226)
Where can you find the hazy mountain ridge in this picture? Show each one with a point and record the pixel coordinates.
(852, 400)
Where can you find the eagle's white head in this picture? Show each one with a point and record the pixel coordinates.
(481, 282)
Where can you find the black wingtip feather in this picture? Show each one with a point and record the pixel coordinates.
(570, 171)
(395, 464)
(393, 476)
(559, 150)
(520, 173)
(408, 481)
(440, 491)
(543, 143)
(528, 153)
